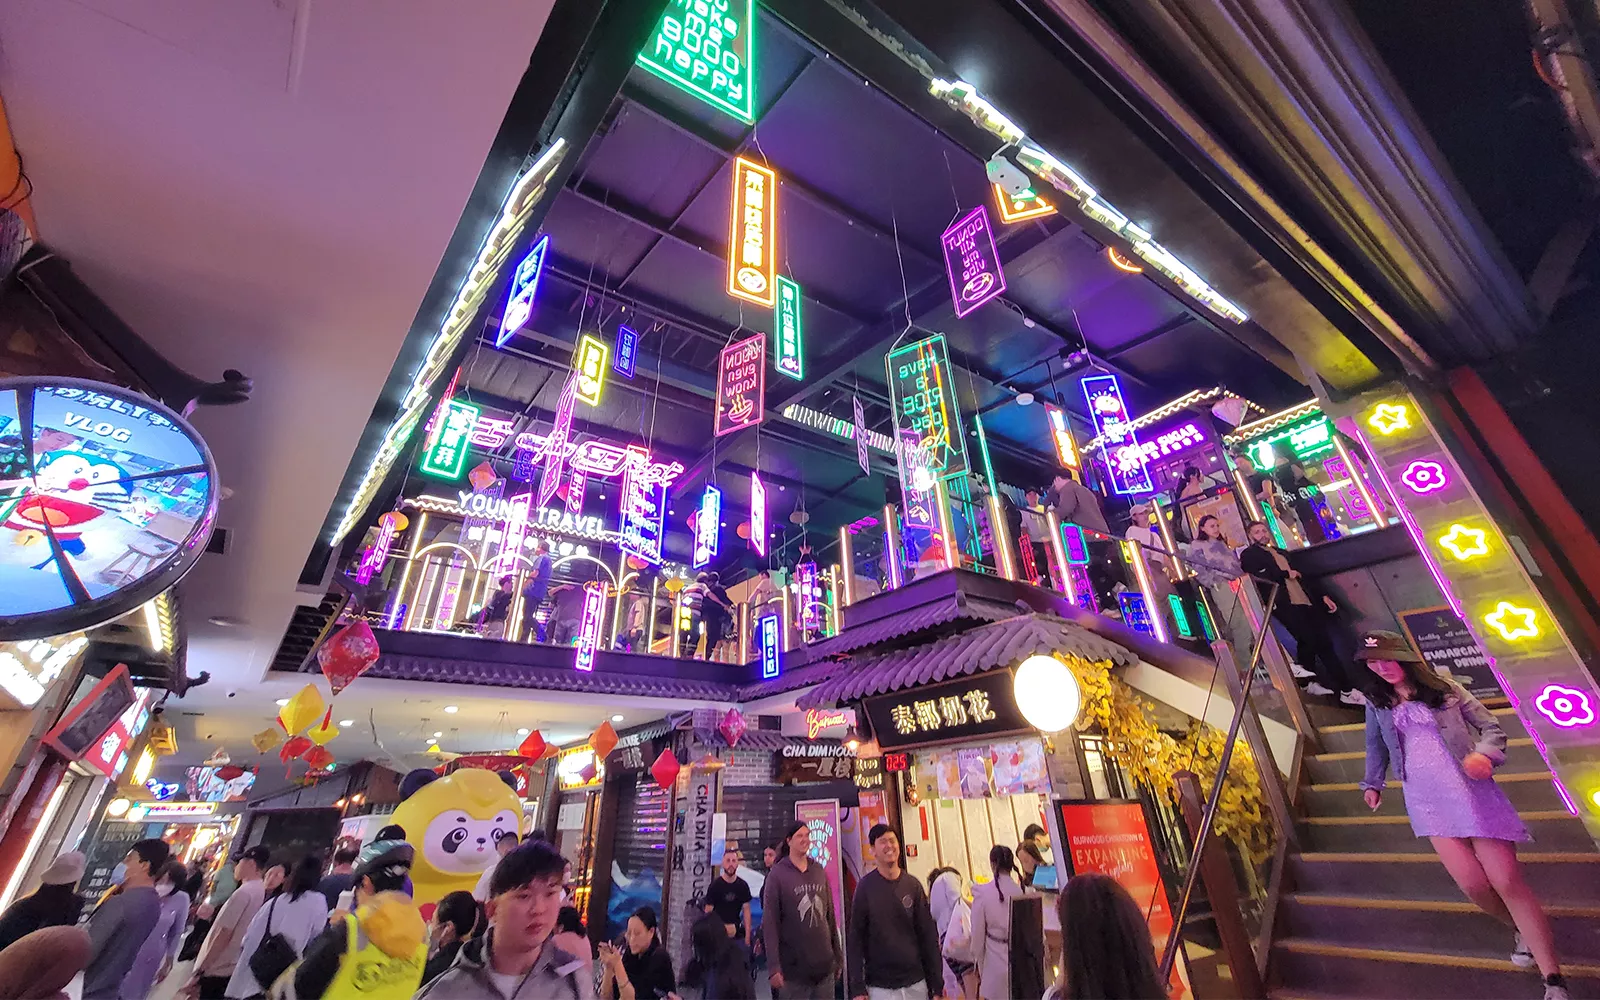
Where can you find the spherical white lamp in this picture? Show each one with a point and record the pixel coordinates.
(1047, 693)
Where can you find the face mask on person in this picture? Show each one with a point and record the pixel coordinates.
(119, 873)
(164, 890)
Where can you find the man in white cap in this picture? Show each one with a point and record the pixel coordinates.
(55, 903)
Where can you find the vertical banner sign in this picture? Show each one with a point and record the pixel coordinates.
(821, 817)
(707, 527)
(1125, 459)
(576, 486)
(555, 443)
(707, 48)
(516, 531)
(753, 234)
(758, 514)
(447, 456)
(923, 393)
(789, 350)
(524, 286)
(808, 584)
(742, 384)
(972, 260)
(861, 437)
(1061, 436)
(627, 353)
(644, 509)
(372, 559)
(594, 603)
(771, 650)
(1112, 838)
(1489, 588)
(699, 830)
(589, 362)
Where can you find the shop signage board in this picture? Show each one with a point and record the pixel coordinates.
(110, 846)
(171, 812)
(972, 260)
(788, 353)
(1305, 439)
(707, 48)
(626, 356)
(758, 514)
(819, 720)
(82, 729)
(1173, 436)
(741, 385)
(1111, 837)
(589, 362)
(965, 708)
(868, 772)
(107, 498)
(594, 599)
(923, 392)
(524, 287)
(771, 649)
(753, 234)
(815, 761)
(1125, 460)
(446, 456)
(1447, 644)
(1135, 612)
(699, 830)
(1061, 436)
(644, 511)
(707, 527)
(570, 764)
(821, 816)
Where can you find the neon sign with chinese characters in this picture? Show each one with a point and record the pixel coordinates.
(446, 458)
(707, 48)
(808, 587)
(1061, 436)
(788, 339)
(753, 234)
(972, 260)
(626, 356)
(771, 652)
(742, 385)
(1125, 460)
(594, 602)
(524, 286)
(758, 514)
(589, 361)
(707, 527)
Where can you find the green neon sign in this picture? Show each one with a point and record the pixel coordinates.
(1205, 621)
(926, 412)
(788, 340)
(1180, 617)
(707, 48)
(1307, 439)
(446, 457)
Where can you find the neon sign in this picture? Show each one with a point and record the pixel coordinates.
(524, 286)
(1424, 477)
(758, 515)
(708, 50)
(589, 362)
(1387, 418)
(922, 391)
(1020, 207)
(707, 527)
(1125, 460)
(1513, 622)
(1465, 543)
(818, 719)
(1061, 436)
(644, 510)
(742, 385)
(1567, 707)
(771, 654)
(555, 453)
(594, 601)
(446, 458)
(788, 339)
(577, 485)
(626, 355)
(860, 433)
(753, 234)
(373, 558)
(808, 584)
(972, 260)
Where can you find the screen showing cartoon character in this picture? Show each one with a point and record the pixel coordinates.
(96, 492)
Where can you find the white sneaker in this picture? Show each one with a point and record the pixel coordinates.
(1352, 697)
(1556, 993)
(1300, 673)
(1521, 957)
(1316, 688)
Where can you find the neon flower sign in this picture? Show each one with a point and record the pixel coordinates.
(1564, 706)
(594, 601)
(707, 527)
(758, 514)
(524, 286)
(1425, 477)
(753, 234)
(589, 361)
(972, 260)
(1125, 459)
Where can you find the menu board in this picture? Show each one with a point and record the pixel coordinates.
(1443, 640)
(106, 499)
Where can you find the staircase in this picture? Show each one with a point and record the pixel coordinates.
(1368, 910)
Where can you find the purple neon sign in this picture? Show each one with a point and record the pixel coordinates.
(972, 259)
(594, 599)
(1125, 459)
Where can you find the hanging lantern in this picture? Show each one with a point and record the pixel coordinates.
(603, 740)
(266, 740)
(293, 748)
(743, 530)
(481, 476)
(323, 732)
(347, 654)
(318, 757)
(1047, 693)
(665, 769)
(533, 747)
(395, 520)
(732, 727)
(301, 710)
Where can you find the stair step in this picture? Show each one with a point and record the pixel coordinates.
(1391, 972)
(1552, 829)
(1557, 877)
(1527, 790)
(1353, 735)
(1422, 924)
(1349, 765)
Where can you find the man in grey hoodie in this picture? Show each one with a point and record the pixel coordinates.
(799, 930)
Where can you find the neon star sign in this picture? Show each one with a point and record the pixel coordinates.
(1567, 707)
(1465, 543)
(524, 286)
(589, 361)
(1387, 418)
(1425, 477)
(753, 234)
(707, 525)
(1513, 622)
(758, 514)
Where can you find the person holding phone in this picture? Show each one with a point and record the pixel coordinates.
(640, 970)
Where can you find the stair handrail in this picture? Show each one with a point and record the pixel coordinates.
(1213, 800)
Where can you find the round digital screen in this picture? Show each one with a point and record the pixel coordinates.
(107, 498)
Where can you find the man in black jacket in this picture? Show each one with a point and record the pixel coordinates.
(1307, 622)
(894, 948)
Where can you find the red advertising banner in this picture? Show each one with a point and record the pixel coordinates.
(821, 816)
(1112, 838)
(742, 384)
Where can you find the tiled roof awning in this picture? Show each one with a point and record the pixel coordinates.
(959, 606)
(753, 739)
(983, 648)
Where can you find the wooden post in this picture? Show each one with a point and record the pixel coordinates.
(1222, 893)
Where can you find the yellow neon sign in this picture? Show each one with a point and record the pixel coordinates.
(590, 361)
(1513, 622)
(753, 234)
(1029, 206)
(1465, 543)
(1389, 417)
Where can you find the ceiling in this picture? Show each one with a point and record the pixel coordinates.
(264, 185)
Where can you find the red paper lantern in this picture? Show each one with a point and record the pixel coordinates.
(603, 740)
(743, 530)
(482, 476)
(665, 769)
(318, 757)
(294, 747)
(347, 654)
(732, 726)
(532, 747)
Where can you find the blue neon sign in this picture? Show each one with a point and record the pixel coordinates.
(771, 653)
(626, 354)
(1125, 459)
(524, 285)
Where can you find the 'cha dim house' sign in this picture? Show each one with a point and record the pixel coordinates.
(107, 498)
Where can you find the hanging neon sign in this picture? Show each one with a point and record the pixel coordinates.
(771, 651)
(922, 391)
(577, 484)
(589, 361)
(1020, 207)
(594, 602)
(708, 50)
(753, 234)
(788, 339)
(644, 511)
(972, 260)
(707, 527)
(1125, 460)
(626, 355)
(372, 559)
(555, 454)
(758, 514)
(808, 585)
(524, 286)
(1061, 436)
(742, 385)
(446, 458)
(860, 435)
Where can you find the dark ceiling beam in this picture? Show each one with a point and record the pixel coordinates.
(1175, 323)
(573, 274)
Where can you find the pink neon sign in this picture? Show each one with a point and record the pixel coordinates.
(374, 557)
(1425, 477)
(741, 384)
(594, 600)
(555, 456)
(1567, 707)
(758, 515)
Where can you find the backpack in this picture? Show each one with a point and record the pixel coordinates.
(273, 955)
(957, 943)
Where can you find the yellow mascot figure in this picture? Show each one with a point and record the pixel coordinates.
(454, 822)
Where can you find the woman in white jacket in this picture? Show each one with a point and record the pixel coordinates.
(991, 925)
(952, 918)
(299, 913)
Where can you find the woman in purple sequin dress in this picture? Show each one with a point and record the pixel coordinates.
(1444, 745)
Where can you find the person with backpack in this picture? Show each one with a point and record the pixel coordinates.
(952, 918)
(280, 931)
